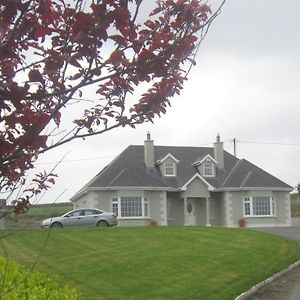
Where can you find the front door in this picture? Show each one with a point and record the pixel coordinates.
(190, 212)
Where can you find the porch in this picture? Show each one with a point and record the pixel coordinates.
(193, 211)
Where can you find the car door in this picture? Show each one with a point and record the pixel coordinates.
(90, 217)
(73, 218)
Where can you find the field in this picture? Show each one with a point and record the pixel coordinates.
(36, 213)
(154, 263)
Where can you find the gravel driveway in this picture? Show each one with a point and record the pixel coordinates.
(287, 287)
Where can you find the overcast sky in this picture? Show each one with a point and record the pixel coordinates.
(245, 86)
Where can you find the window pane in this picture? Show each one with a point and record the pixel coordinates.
(208, 169)
(261, 206)
(247, 209)
(115, 208)
(169, 168)
(131, 207)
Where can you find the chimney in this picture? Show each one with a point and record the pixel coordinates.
(149, 152)
(219, 152)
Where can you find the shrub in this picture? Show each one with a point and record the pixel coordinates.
(18, 283)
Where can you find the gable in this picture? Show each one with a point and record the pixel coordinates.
(196, 187)
(168, 157)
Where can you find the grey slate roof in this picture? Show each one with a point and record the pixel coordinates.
(129, 170)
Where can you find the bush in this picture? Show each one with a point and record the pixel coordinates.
(18, 283)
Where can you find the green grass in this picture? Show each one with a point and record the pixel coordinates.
(36, 213)
(154, 263)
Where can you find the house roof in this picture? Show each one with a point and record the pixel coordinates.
(129, 170)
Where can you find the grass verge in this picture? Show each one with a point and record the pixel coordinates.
(153, 263)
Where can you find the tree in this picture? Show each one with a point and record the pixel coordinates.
(53, 51)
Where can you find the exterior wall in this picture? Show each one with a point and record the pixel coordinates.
(157, 203)
(167, 208)
(81, 202)
(175, 214)
(101, 200)
(158, 207)
(283, 209)
(233, 205)
(218, 219)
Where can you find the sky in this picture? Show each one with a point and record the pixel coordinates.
(245, 86)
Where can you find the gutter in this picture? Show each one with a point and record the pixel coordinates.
(237, 189)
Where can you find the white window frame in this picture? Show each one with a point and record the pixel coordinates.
(211, 168)
(171, 166)
(117, 202)
(249, 202)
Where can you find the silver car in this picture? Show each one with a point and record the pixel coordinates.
(82, 217)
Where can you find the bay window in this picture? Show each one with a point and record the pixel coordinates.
(259, 206)
(130, 207)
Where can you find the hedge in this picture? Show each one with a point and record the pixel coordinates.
(16, 282)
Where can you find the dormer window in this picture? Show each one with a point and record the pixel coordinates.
(206, 166)
(208, 169)
(168, 165)
(169, 168)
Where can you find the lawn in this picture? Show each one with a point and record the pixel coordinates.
(154, 263)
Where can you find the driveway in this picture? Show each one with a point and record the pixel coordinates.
(292, 233)
(286, 287)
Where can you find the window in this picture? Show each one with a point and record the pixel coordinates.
(146, 207)
(169, 169)
(129, 207)
(259, 206)
(208, 169)
(115, 206)
(75, 213)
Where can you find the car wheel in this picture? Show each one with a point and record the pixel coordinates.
(56, 225)
(102, 223)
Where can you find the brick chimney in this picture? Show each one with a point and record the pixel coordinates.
(219, 152)
(149, 151)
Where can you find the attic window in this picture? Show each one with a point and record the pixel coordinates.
(208, 169)
(169, 169)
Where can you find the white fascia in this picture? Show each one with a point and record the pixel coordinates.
(197, 175)
(199, 162)
(135, 188)
(236, 189)
(169, 155)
